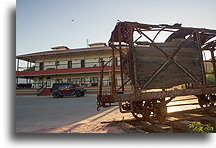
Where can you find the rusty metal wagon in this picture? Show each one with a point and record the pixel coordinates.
(158, 72)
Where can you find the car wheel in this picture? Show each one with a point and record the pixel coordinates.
(78, 94)
(56, 95)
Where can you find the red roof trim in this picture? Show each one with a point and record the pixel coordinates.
(63, 71)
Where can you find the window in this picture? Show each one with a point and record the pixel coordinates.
(106, 83)
(69, 64)
(94, 81)
(118, 82)
(48, 81)
(82, 81)
(63, 86)
(117, 61)
(68, 80)
(82, 63)
(40, 83)
(57, 63)
(76, 64)
(76, 82)
(100, 59)
(59, 81)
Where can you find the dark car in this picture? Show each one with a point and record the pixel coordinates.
(66, 89)
(23, 85)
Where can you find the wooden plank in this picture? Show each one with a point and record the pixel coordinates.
(150, 59)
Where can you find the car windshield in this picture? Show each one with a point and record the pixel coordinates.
(63, 86)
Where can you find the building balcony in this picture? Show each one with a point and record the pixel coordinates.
(34, 71)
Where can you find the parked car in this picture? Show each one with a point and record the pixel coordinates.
(24, 85)
(66, 89)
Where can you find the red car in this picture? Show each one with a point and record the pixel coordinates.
(66, 89)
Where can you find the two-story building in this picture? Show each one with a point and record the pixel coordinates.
(62, 64)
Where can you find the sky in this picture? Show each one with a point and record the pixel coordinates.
(42, 24)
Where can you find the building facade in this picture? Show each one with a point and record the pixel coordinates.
(62, 64)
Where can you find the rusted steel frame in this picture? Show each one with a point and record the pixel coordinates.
(101, 78)
(201, 30)
(162, 66)
(167, 54)
(205, 49)
(165, 63)
(117, 49)
(153, 44)
(166, 29)
(102, 101)
(105, 65)
(130, 58)
(159, 30)
(185, 71)
(137, 38)
(121, 59)
(169, 30)
(158, 33)
(107, 62)
(124, 84)
(182, 68)
(213, 62)
(201, 58)
(181, 44)
(143, 26)
(154, 74)
(113, 82)
(131, 47)
(164, 94)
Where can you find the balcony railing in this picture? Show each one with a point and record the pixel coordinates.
(59, 66)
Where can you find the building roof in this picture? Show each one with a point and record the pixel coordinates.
(29, 57)
(97, 45)
(60, 48)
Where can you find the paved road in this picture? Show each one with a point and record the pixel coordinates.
(37, 112)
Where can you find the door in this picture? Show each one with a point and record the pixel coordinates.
(69, 89)
(63, 89)
(69, 64)
(82, 63)
(41, 67)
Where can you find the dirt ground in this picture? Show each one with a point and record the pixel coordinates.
(93, 124)
(181, 112)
